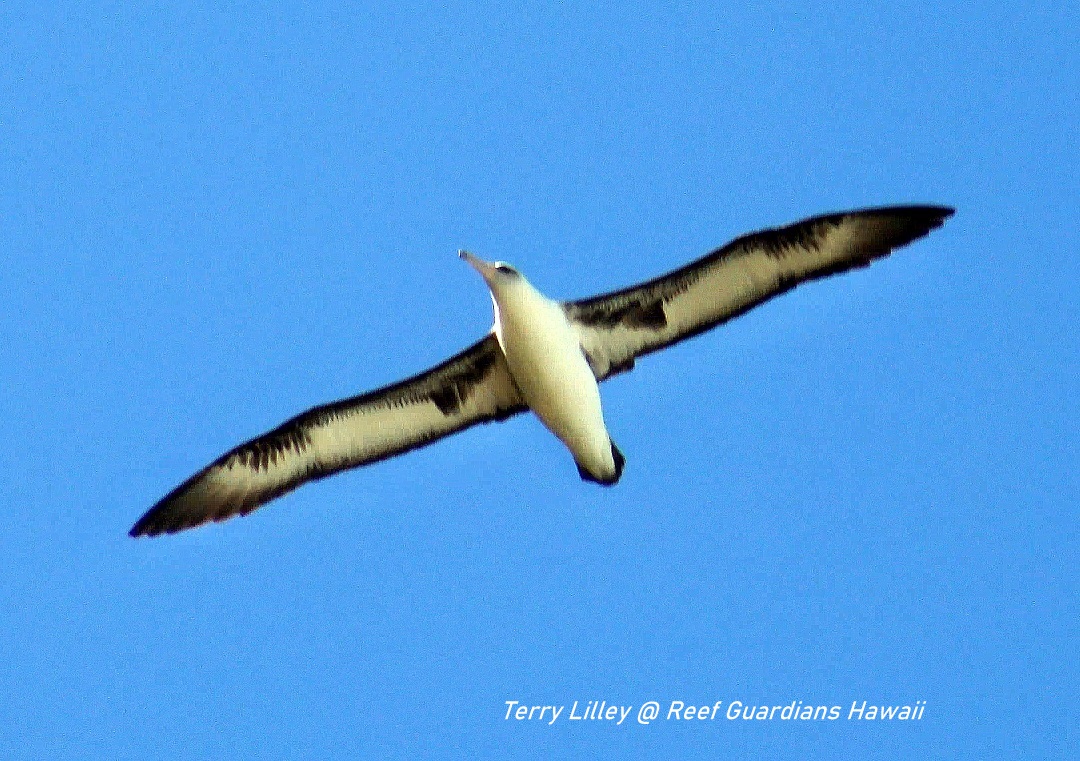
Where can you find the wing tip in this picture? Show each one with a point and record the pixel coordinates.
(189, 505)
(148, 525)
(922, 220)
(924, 217)
(157, 522)
(932, 215)
(884, 229)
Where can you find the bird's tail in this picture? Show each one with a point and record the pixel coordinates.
(611, 480)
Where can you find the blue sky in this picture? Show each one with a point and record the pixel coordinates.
(213, 218)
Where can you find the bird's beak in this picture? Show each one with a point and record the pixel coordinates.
(486, 269)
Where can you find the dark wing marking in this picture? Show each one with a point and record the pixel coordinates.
(617, 327)
(473, 387)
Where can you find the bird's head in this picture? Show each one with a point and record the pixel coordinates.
(498, 275)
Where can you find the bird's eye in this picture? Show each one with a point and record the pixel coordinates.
(506, 269)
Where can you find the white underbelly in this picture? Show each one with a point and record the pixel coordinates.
(545, 358)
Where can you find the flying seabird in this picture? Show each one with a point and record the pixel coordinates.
(543, 355)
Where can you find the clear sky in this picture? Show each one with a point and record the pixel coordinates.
(213, 217)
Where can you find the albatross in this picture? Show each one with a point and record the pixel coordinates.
(541, 355)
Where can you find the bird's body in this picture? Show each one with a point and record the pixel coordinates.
(544, 355)
(541, 355)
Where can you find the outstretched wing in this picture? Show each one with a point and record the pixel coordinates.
(473, 387)
(617, 327)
